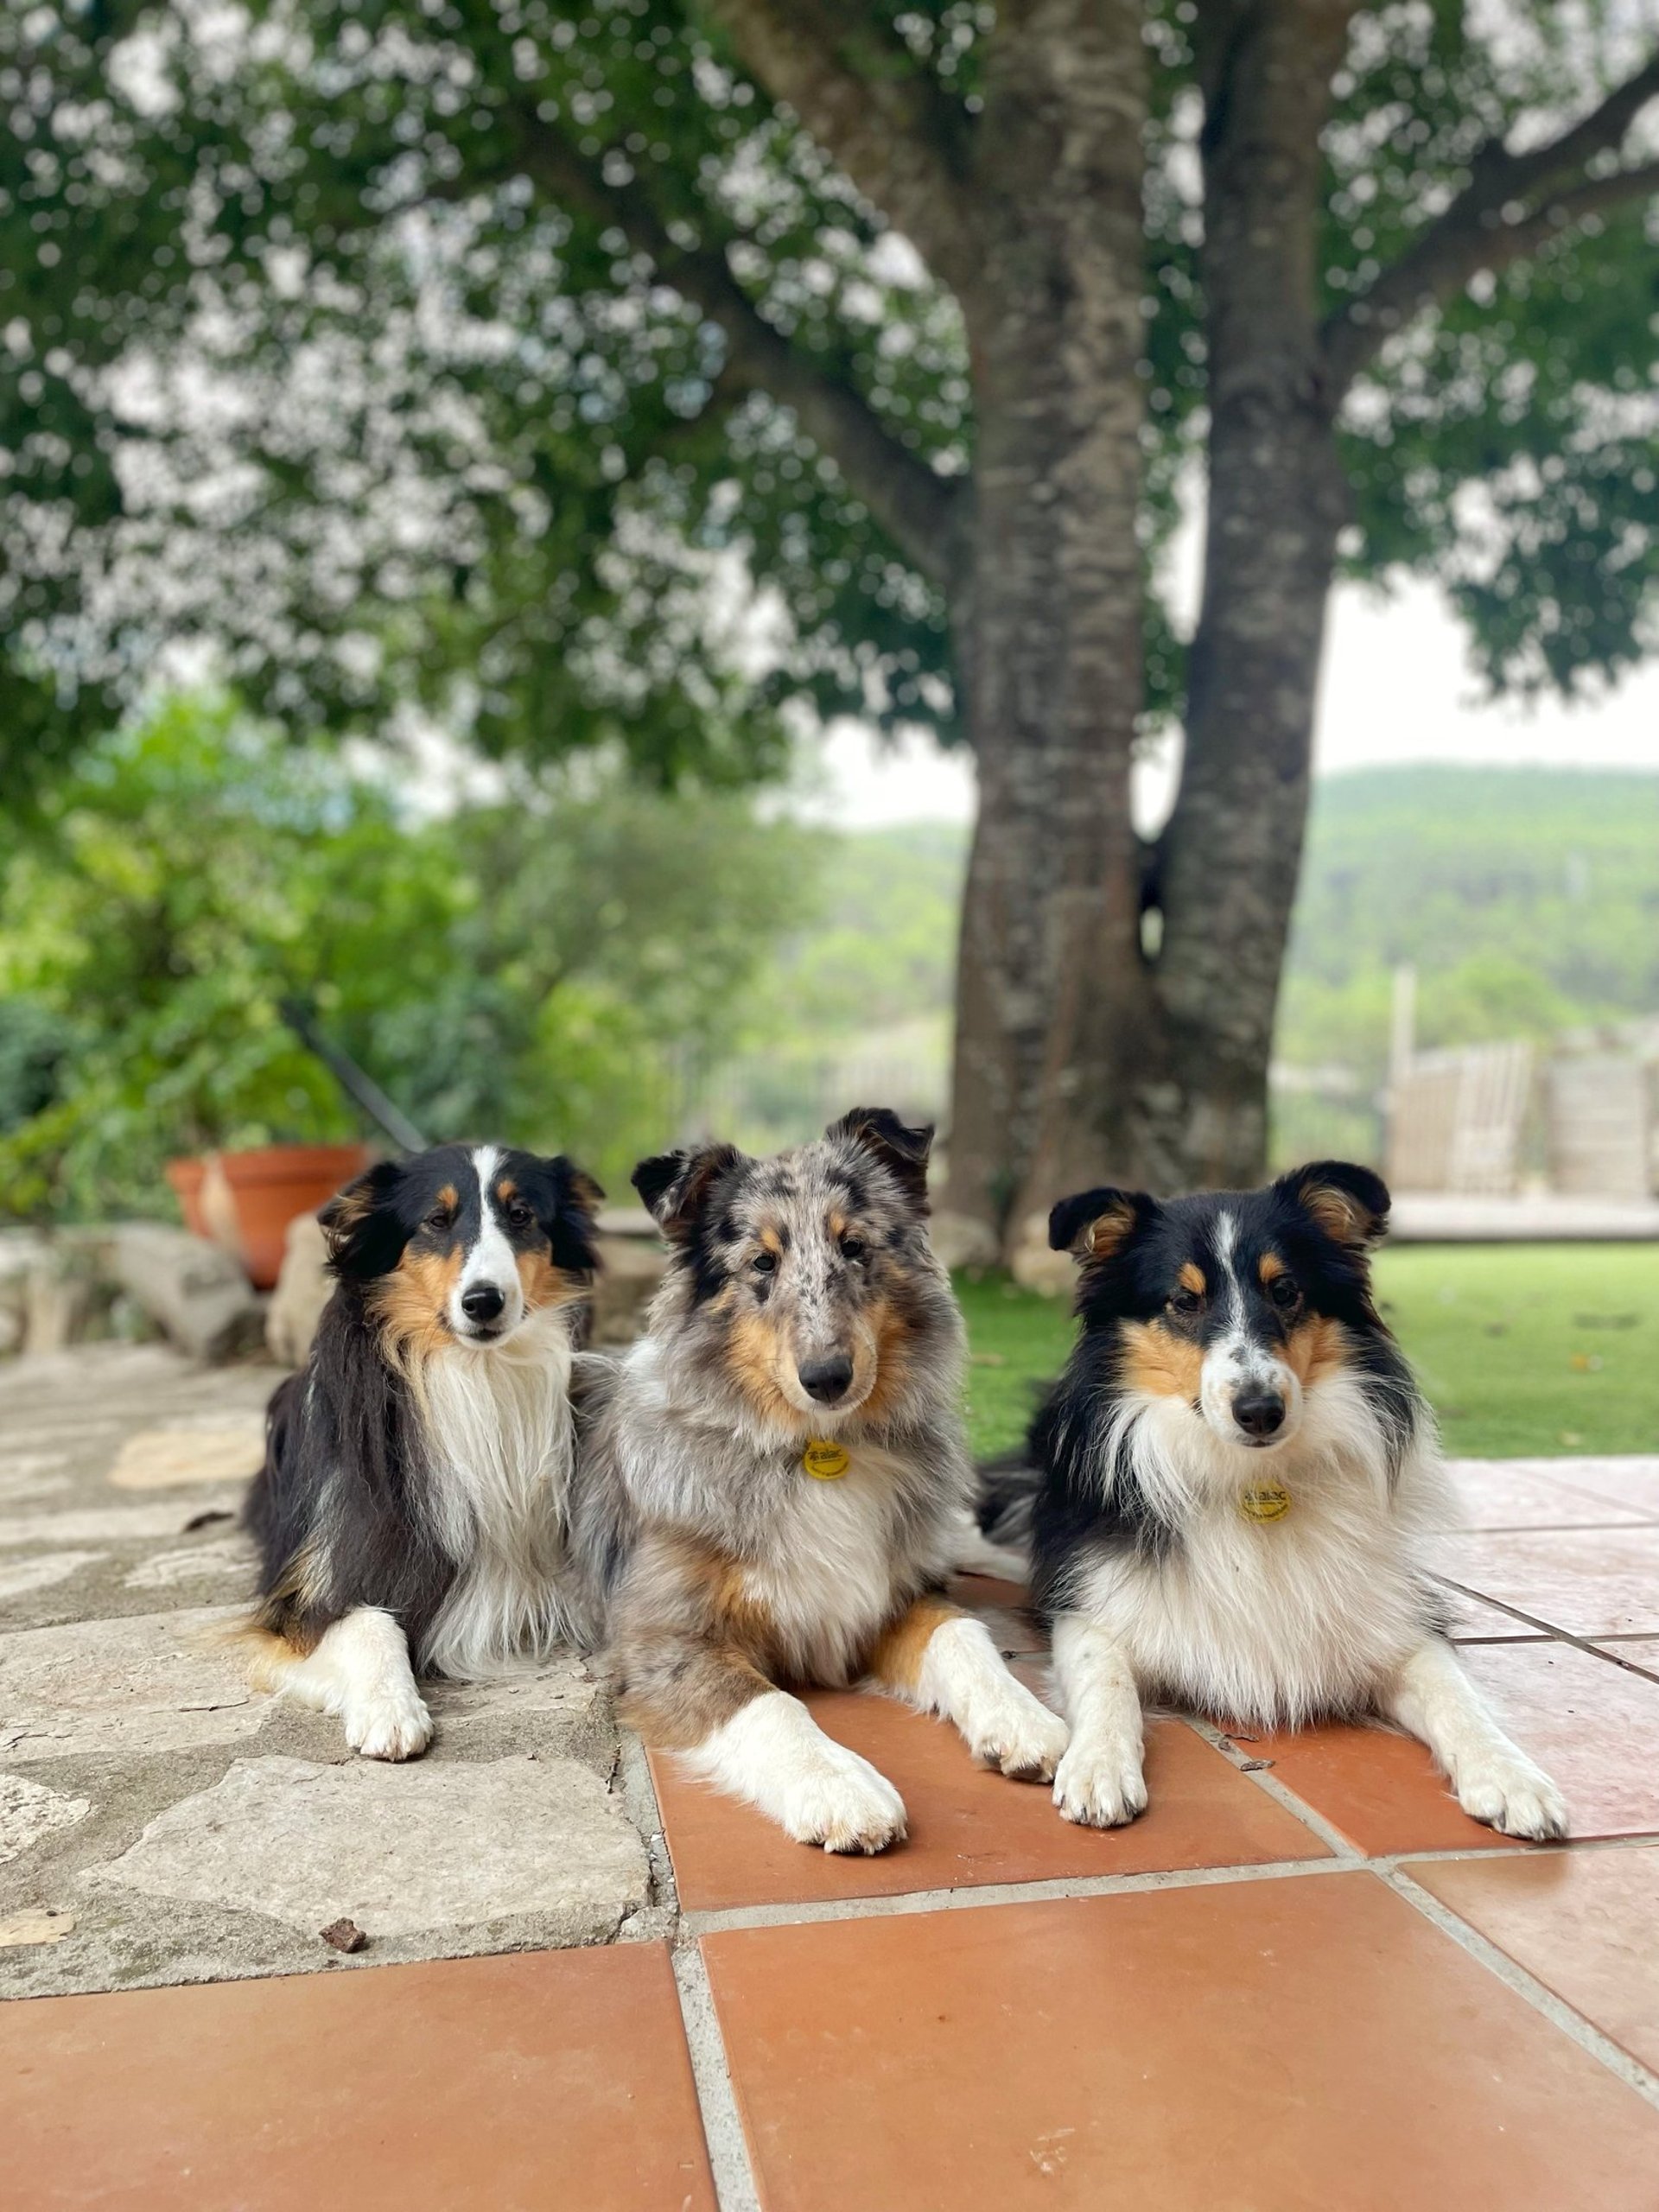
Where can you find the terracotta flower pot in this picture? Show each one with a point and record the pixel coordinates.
(267, 1189)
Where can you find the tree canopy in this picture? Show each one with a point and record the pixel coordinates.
(531, 366)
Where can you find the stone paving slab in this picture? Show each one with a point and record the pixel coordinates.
(160, 1821)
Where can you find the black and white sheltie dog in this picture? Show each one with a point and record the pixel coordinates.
(1236, 1485)
(776, 1486)
(411, 1508)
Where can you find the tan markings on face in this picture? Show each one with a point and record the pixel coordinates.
(543, 1283)
(1191, 1278)
(1160, 1363)
(772, 1242)
(838, 1225)
(448, 1198)
(1314, 1349)
(411, 1302)
(1271, 1268)
(755, 1351)
(900, 1649)
(506, 1189)
(894, 1329)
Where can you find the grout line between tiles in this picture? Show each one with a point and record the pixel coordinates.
(1554, 1634)
(722, 2126)
(640, 1800)
(1536, 1993)
(807, 1911)
(1283, 1796)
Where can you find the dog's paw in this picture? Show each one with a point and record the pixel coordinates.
(1509, 1793)
(1100, 1784)
(1011, 1729)
(397, 1727)
(841, 1802)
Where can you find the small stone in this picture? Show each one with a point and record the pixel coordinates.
(344, 1935)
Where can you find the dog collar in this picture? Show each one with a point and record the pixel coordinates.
(1268, 1501)
(825, 1460)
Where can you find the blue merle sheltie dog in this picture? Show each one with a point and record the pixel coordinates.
(411, 1510)
(777, 1483)
(1231, 1493)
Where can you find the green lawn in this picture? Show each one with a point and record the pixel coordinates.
(1522, 1349)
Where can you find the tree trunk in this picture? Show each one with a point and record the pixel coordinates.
(1050, 972)
(1092, 1048)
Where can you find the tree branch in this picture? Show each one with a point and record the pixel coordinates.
(921, 511)
(870, 104)
(1496, 218)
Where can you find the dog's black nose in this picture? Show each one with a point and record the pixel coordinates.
(826, 1380)
(482, 1302)
(1259, 1413)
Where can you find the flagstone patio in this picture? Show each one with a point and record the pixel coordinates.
(1304, 1979)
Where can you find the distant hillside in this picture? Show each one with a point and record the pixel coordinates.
(1556, 870)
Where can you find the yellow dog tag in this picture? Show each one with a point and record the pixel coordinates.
(1264, 1501)
(824, 1461)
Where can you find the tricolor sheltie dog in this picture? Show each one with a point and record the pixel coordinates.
(1235, 1483)
(778, 1478)
(410, 1512)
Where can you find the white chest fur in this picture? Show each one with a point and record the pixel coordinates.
(1275, 1621)
(501, 1443)
(831, 1567)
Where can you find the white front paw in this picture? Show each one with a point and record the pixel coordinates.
(1100, 1784)
(1506, 1790)
(1011, 1729)
(396, 1727)
(841, 1802)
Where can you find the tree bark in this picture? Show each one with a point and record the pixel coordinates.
(1276, 501)
(1049, 631)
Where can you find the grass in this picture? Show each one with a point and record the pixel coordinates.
(1526, 1350)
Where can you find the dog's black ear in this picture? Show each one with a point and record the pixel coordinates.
(1095, 1224)
(363, 1238)
(675, 1185)
(569, 1227)
(903, 1152)
(1350, 1203)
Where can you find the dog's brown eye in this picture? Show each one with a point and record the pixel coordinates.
(852, 1248)
(519, 1214)
(1184, 1301)
(1283, 1292)
(439, 1219)
(765, 1263)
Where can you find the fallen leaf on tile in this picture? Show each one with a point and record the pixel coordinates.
(35, 1927)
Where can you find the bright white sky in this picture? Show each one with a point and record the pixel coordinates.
(1397, 687)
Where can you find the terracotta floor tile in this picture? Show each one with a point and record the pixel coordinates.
(1532, 1494)
(1594, 1725)
(545, 2080)
(967, 1826)
(1474, 1620)
(1631, 1480)
(1301, 2045)
(1587, 1922)
(1378, 1790)
(1589, 1581)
